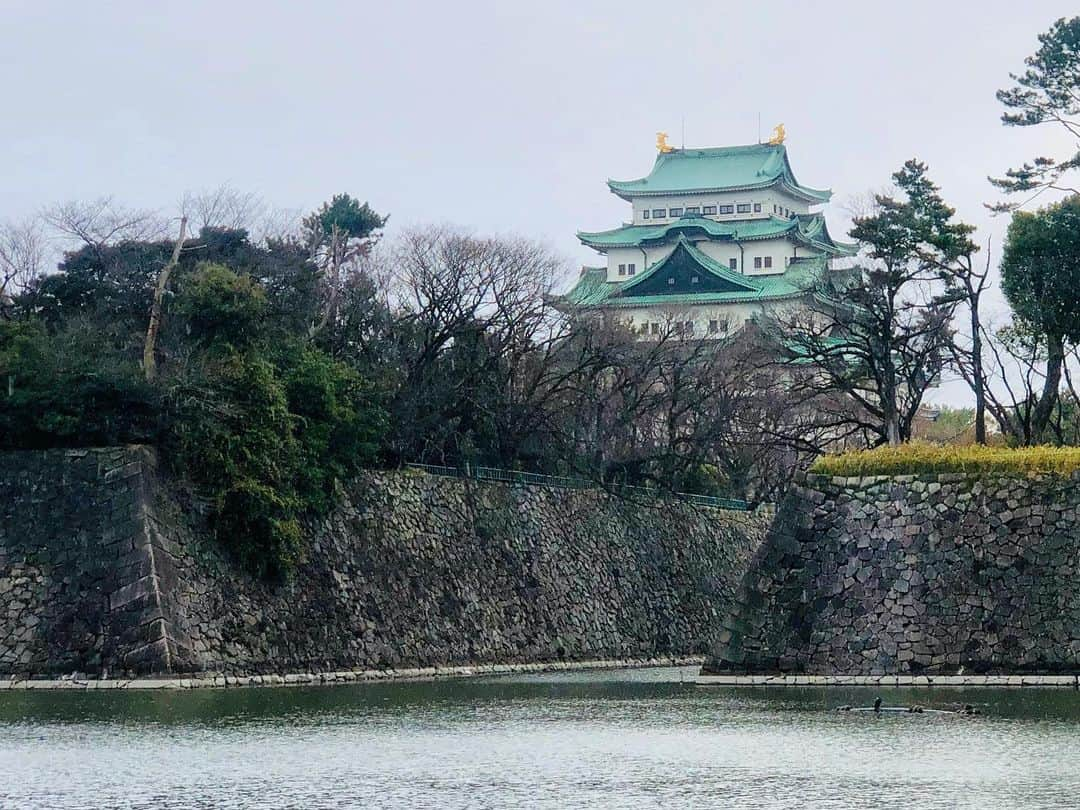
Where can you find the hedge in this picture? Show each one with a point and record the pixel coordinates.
(917, 458)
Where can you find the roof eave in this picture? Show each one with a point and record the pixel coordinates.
(616, 302)
(630, 194)
(814, 196)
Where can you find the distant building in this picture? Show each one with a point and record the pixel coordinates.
(716, 237)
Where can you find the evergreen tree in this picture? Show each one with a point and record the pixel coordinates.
(1040, 276)
(1048, 92)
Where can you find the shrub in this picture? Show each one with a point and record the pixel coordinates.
(917, 458)
(79, 386)
(266, 442)
(221, 307)
(231, 436)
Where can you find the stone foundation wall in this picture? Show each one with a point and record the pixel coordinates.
(913, 575)
(104, 570)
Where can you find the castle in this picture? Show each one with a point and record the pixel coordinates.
(717, 237)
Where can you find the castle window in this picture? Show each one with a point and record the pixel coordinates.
(768, 261)
(655, 328)
(744, 208)
(671, 281)
(733, 264)
(714, 327)
(727, 209)
(644, 214)
(757, 262)
(693, 279)
(631, 269)
(688, 327)
(675, 212)
(709, 209)
(757, 208)
(693, 209)
(622, 269)
(658, 213)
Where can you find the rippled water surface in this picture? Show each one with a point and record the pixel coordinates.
(613, 740)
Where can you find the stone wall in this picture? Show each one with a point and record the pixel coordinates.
(104, 568)
(913, 575)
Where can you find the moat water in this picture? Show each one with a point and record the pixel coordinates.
(630, 739)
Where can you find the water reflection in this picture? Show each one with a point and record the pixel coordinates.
(560, 740)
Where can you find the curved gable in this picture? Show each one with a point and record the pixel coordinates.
(686, 271)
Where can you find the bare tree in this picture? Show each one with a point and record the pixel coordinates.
(103, 222)
(223, 207)
(673, 411)
(1016, 377)
(22, 256)
(478, 331)
(277, 225)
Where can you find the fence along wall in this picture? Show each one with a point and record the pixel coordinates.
(103, 570)
(913, 575)
(519, 477)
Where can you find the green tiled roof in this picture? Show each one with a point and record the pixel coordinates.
(808, 229)
(594, 290)
(728, 168)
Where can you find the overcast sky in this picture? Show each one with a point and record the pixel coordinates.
(500, 116)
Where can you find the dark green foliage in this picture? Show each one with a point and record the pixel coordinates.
(1047, 92)
(337, 421)
(1040, 268)
(264, 429)
(221, 308)
(112, 283)
(268, 442)
(258, 420)
(346, 215)
(1040, 276)
(232, 436)
(75, 386)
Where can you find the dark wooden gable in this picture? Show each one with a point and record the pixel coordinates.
(682, 274)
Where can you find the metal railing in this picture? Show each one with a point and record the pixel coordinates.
(567, 482)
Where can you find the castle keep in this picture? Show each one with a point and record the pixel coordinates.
(716, 237)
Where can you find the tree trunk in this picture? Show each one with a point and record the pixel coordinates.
(337, 248)
(893, 429)
(978, 376)
(890, 413)
(1044, 409)
(149, 347)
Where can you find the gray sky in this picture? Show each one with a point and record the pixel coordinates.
(500, 116)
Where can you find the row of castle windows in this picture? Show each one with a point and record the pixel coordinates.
(684, 328)
(710, 210)
(701, 210)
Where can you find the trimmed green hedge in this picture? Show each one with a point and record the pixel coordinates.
(917, 458)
